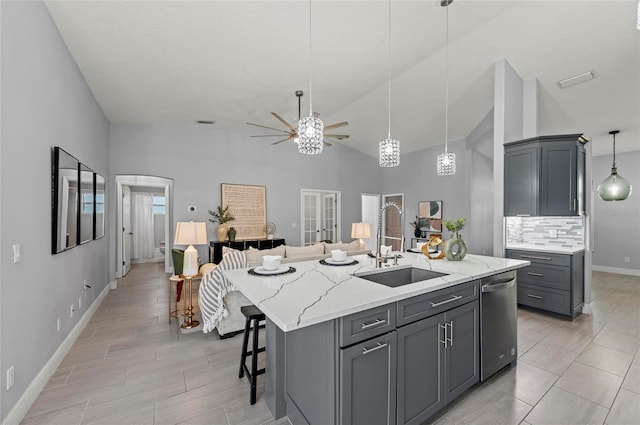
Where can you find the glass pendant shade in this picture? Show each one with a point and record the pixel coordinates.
(389, 152)
(614, 187)
(310, 135)
(446, 165)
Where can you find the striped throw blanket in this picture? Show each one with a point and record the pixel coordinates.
(215, 286)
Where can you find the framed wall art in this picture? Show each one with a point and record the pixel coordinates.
(248, 204)
(430, 215)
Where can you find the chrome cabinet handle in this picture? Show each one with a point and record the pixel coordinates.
(453, 298)
(523, 215)
(535, 257)
(535, 274)
(444, 341)
(380, 345)
(537, 297)
(450, 338)
(378, 322)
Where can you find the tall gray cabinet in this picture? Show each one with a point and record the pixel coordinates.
(544, 176)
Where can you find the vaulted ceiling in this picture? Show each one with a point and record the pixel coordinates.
(237, 61)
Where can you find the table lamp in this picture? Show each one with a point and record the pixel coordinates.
(190, 233)
(361, 231)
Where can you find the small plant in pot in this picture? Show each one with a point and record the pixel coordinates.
(222, 216)
(455, 249)
(416, 227)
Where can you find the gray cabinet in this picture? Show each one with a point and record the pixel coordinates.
(544, 176)
(438, 359)
(552, 282)
(368, 382)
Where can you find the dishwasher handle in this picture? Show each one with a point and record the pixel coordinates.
(498, 285)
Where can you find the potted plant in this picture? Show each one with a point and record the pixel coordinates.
(455, 249)
(222, 216)
(416, 227)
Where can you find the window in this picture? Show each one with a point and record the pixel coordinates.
(159, 205)
(87, 203)
(100, 203)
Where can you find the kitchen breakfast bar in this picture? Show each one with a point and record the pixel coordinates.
(359, 344)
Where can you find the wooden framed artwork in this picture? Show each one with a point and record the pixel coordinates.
(248, 204)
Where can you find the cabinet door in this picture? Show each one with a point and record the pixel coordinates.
(368, 381)
(521, 182)
(559, 179)
(463, 351)
(420, 370)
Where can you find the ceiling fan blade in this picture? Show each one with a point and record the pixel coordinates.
(327, 144)
(280, 141)
(282, 120)
(337, 136)
(340, 124)
(270, 128)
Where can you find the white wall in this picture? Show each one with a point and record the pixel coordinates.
(199, 158)
(45, 103)
(617, 224)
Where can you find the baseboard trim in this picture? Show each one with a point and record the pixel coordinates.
(587, 309)
(617, 270)
(114, 284)
(18, 412)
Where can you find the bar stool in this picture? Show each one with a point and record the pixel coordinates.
(252, 314)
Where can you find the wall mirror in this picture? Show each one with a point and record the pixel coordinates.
(430, 216)
(64, 200)
(99, 204)
(86, 205)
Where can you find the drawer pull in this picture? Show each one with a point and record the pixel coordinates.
(534, 257)
(375, 324)
(537, 297)
(380, 345)
(535, 274)
(453, 298)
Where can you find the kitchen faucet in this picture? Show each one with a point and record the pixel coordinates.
(379, 236)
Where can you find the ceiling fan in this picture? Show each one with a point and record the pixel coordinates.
(292, 132)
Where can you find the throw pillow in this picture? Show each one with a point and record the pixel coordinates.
(351, 246)
(254, 256)
(304, 251)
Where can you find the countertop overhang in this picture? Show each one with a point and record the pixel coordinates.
(546, 248)
(316, 293)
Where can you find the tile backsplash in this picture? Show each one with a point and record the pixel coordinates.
(550, 232)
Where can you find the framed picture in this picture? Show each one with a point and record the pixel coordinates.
(248, 204)
(430, 216)
(86, 205)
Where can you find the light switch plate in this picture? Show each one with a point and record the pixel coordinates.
(16, 253)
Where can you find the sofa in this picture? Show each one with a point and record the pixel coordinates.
(234, 322)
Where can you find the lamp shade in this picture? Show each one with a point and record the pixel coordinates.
(190, 233)
(360, 230)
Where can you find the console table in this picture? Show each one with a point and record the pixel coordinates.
(215, 248)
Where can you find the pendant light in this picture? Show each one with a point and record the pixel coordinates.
(310, 129)
(446, 164)
(614, 187)
(389, 148)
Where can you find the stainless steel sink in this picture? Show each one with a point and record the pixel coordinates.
(399, 277)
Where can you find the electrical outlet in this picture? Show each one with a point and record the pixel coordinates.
(17, 256)
(10, 378)
(79, 303)
(627, 259)
(71, 310)
(59, 323)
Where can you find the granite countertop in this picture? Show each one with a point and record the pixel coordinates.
(315, 293)
(546, 248)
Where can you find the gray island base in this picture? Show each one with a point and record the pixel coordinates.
(345, 350)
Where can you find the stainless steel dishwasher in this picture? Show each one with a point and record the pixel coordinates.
(499, 319)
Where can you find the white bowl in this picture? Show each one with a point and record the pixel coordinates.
(338, 255)
(271, 262)
(419, 245)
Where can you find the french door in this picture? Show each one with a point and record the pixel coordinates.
(320, 215)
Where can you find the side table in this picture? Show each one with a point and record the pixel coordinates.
(188, 322)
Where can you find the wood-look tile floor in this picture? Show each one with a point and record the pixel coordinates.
(130, 366)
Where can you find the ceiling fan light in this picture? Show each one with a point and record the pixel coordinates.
(446, 164)
(389, 152)
(310, 134)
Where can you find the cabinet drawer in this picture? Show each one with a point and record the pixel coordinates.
(539, 257)
(544, 298)
(367, 324)
(426, 305)
(556, 277)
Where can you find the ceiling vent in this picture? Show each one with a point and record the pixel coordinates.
(576, 79)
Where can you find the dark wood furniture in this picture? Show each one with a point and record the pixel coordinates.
(253, 317)
(215, 248)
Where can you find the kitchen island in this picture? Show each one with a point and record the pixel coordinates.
(320, 317)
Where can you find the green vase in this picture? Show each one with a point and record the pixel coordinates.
(231, 233)
(455, 249)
